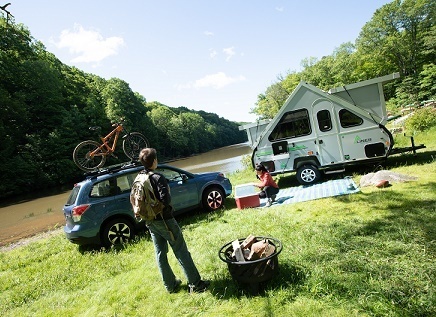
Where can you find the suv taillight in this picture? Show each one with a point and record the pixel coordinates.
(78, 211)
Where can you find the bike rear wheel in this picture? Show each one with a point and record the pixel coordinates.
(83, 158)
(133, 144)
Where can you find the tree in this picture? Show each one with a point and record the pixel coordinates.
(161, 116)
(269, 104)
(394, 38)
(427, 82)
(195, 130)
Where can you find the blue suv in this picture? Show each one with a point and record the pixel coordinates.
(98, 210)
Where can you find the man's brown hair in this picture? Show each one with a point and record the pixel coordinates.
(147, 156)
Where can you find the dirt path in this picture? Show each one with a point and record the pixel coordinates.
(28, 218)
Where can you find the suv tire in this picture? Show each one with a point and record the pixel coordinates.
(213, 198)
(116, 232)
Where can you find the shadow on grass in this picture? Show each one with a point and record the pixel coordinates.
(395, 249)
(287, 276)
(405, 214)
(93, 248)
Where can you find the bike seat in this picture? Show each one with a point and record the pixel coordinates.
(95, 128)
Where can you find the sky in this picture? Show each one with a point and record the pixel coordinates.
(215, 56)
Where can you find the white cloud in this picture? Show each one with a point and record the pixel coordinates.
(217, 81)
(208, 33)
(212, 53)
(280, 9)
(89, 45)
(230, 51)
(183, 86)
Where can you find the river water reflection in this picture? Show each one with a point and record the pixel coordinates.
(226, 159)
(32, 215)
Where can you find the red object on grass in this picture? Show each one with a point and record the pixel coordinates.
(382, 184)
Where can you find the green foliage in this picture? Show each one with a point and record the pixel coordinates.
(422, 119)
(269, 104)
(407, 92)
(428, 82)
(246, 162)
(400, 37)
(47, 107)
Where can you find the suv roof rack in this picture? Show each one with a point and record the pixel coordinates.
(112, 169)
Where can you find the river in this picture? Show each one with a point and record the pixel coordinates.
(27, 217)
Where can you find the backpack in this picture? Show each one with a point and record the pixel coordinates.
(142, 197)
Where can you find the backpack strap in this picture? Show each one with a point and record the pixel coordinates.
(150, 173)
(152, 182)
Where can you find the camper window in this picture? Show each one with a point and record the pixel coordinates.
(293, 124)
(324, 120)
(349, 119)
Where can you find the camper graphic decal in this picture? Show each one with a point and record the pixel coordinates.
(357, 139)
(290, 149)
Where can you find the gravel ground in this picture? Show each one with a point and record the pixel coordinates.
(28, 240)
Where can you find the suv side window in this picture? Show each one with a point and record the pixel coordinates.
(72, 199)
(124, 182)
(101, 189)
(114, 186)
(170, 175)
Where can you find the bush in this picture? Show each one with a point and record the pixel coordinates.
(422, 120)
(246, 162)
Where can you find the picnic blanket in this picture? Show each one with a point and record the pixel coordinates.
(329, 188)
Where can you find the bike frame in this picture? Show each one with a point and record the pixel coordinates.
(105, 148)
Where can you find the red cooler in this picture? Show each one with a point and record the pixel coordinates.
(246, 196)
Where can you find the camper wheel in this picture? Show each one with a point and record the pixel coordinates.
(308, 174)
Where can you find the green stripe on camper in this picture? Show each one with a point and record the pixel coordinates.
(290, 149)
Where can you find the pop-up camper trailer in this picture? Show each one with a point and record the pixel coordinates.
(319, 132)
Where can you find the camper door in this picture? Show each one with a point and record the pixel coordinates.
(327, 132)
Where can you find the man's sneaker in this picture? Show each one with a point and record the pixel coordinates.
(176, 287)
(200, 287)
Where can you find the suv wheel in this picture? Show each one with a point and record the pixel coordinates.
(213, 198)
(117, 231)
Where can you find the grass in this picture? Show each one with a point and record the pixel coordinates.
(366, 254)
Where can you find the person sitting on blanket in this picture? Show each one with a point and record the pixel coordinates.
(268, 186)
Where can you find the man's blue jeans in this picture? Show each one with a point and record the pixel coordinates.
(161, 238)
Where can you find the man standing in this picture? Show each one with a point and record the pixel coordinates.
(165, 230)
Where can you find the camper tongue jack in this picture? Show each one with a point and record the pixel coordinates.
(317, 132)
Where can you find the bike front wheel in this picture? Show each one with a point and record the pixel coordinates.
(88, 156)
(133, 144)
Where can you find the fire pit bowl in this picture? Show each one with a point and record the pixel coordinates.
(252, 273)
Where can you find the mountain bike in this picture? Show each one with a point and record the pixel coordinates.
(91, 155)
